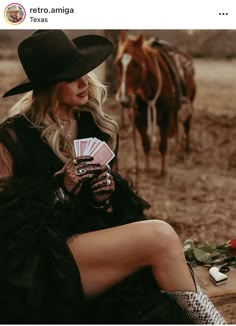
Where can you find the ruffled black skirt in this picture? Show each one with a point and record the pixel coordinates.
(40, 282)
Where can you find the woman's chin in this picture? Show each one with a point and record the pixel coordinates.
(82, 100)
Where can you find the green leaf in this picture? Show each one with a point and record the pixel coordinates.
(204, 255)
(189, 255)
(189, 244)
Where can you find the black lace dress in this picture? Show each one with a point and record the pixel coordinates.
(39, 280)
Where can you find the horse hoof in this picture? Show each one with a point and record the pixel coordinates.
(180, 157)
(188, 150)
(147, 167)
(163, 173)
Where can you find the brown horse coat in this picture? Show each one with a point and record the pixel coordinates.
(149, 84)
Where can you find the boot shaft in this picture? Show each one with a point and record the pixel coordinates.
(197, 306)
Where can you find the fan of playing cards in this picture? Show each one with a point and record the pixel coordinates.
(94, 147)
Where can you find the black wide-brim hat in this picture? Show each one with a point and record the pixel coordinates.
(49, 56)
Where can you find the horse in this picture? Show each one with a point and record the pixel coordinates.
(154, 79)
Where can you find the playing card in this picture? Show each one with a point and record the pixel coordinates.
(92, 145)
(76, 147)
(102, 154)
(80, 145)
(83, 144)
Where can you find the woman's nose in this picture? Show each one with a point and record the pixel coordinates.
(83, 81)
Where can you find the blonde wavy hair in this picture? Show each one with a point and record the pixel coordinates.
(40, 108)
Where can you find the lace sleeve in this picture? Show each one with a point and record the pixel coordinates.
(6, 162)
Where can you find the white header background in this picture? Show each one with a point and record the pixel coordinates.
(128, 14)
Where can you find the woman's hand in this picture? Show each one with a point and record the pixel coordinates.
(102, 187)
(80, 170)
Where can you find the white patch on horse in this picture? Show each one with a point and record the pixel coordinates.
(125, 60)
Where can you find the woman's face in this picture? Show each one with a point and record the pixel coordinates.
(73, 93)
(14, 14)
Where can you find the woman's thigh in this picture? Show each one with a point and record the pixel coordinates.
(105, 257)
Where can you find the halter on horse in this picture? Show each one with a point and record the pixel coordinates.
(149, 83)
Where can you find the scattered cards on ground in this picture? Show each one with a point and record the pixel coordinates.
(94, 147)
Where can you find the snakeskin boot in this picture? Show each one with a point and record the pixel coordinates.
(197, 306)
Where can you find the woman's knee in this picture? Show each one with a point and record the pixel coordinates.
(161, 239)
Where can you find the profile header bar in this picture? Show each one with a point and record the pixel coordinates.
(122, 14)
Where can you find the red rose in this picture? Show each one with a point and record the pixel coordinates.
(232, 243)
(232, 246)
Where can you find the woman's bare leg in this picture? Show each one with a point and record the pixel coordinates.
(106, 257)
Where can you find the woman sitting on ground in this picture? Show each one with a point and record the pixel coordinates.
(75, 244)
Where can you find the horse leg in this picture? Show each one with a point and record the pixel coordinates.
(131, 119)
(135, 156)
(185, 117)
(140, 118)
(163, 147)
(122, 118)
(131, 112)
(187, 126)
(146, 148)
(146, 145)
(177, 131)
(174, 130)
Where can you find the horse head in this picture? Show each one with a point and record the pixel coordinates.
(130, 65)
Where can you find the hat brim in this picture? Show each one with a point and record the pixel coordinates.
(93, 50)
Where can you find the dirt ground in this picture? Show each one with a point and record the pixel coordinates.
(198, 195)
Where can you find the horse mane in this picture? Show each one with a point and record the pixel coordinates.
(146, 45)
(149, 41)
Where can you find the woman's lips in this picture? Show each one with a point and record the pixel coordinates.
(83, 94)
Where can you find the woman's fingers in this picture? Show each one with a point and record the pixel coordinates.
(104, 185)
(104, 179)
(104, 189)
(105, 174)
(87, 173)
(82, 169)
(78, 170)
(100, 177)
(87, 169)
(81, 159)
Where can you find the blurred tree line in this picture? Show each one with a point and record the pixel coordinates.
(198, 43)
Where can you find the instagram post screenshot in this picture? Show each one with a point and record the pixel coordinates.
(118, 162)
